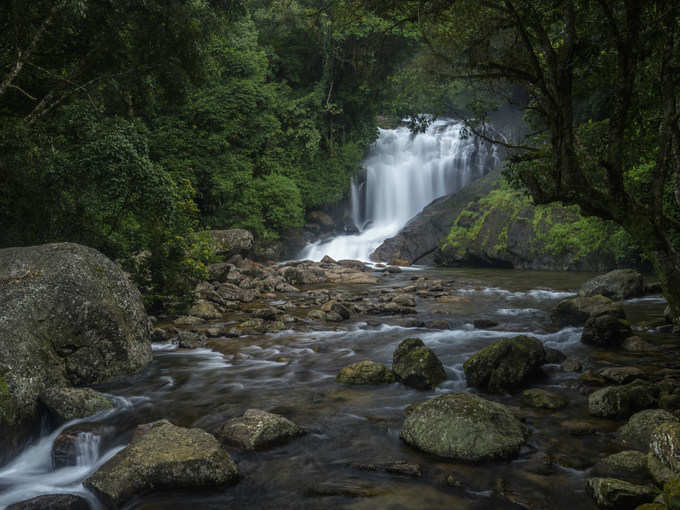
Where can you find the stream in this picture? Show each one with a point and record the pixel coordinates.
(293, 373)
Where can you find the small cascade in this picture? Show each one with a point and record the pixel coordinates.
(404, 173)
(87, 448)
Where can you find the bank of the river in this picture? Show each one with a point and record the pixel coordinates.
(279, 346)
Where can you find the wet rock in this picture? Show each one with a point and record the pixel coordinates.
(577, 310)
(317, 315)
(540, 463)
(617, 285)
(621, 375)
(619, 494)
(336, 308)
(664, 444)
(163, 456)
(70, 317)
(67, 404)
(53, 502)
(571, 365)
(438, 324)
(219, 272)
(400, 467)
(328, 260)
(622, 401)
(399, 262)
(605, 331)
(393, 269)
(660, 473)
(79, 441)
(484, 323)
(267, 314)
(637, 344)
(554, 355)
(366, 372)
(466, 427)
(228, 243)
(417, 365)
(638, 431)
(629, 465)
(580, 427)
(251, 324)
(205, 310)
(404, 300)
(506, 364)
(258, 430)
(543, 399)
(190, 340)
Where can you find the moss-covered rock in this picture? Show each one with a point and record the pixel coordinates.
(629, 465)
(52, 502)
(671, 494)
(619, 494)
(70, 317)
(577, 310)
(605, 331)
(543, 399)
(665, 445)
(68, 404)
(366, 372)
(638, 431)
(505, 365)
(503, 228)
(258, 430)
(417, 365)
(622, 401)
(466, 427)
(617, 285)
(163, 456)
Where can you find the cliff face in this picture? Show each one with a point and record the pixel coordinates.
(488, 224)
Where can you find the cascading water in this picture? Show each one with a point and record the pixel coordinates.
(404, 173)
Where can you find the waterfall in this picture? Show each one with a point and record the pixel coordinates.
(404, 173)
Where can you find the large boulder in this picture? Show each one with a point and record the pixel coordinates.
(577, 310)
(258, 430)
(619, 494)
(227, 243)
(638, 431)
(366, 372)
(466, 427)
(506, 364)
(617, 285)
(623, 401)
(417, 365)
(70, 317)
(605, 331)
(630, 465)
(163, 456)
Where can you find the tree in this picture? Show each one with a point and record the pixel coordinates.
(603, 80)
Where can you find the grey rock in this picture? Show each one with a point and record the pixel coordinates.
(637, 432)
(53, 502)
(543, 399)
(163, 456)
(466, 427)
(664, 444)
(228, 243)
(619, 494)
(630, 466)
(617, 285)
(68, 404)
(605, 331)
(577, 310)
(258, 430)
(622, 401)
(366, 372)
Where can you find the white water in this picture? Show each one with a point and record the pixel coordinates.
(405, 173)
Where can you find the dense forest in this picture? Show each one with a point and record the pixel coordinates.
(131, 127)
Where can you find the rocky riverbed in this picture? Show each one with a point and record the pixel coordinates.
(255, 367)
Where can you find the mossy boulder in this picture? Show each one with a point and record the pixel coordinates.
(417, 365)
(638, 431)
(605, 331)
(617, 285)
(664, 444)
(543, 399)
(622, 401)
(577, 310)
(227, 243)
(258, 430)
(163, 456)
(630, 465)
(619, 494)
(366, 372)
(466, 427)
(70, 317)
(671, 494)
(506, 364)
(67, 404)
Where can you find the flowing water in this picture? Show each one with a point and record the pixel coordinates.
(292, 373)
(404, 173)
